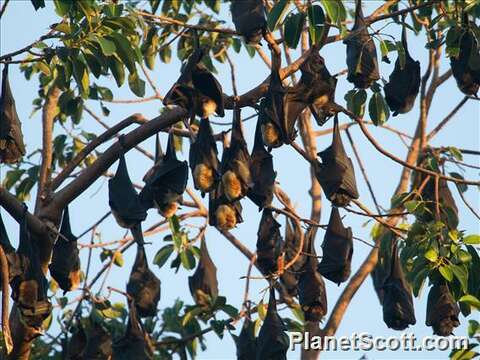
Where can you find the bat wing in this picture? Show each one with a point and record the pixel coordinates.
(99, 342)
(208, 85)
(246, 342)
(204, 280)
(442, 310)
(268, 242)
(248, 17)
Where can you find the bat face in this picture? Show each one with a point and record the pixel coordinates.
(203, 159)
(249, 19)
(361, 54)
(465, 67)
(442, 310)
(311, 287)
(210, 90)
(337, 250)
(236, 178)
(335, 173)
(404, 84)
(262, 173)
(223, 213)
(203, 283)
(65, 264)
(123, 199)
(165, 182)
(99, 342)
(12, 147)
(272, 341)
(135, 342)
(143, 286)
(398, 311)
(269, 242)
(246, 342)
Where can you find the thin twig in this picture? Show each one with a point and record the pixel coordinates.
(7, 336)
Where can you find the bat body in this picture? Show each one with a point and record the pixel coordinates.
(12, 147)
(165, 182)
(335, 173)
(262, 173)
(465, 66)
(65, 265)
(311, 287)
(135, 343)
(361, 53)
(235, 167)
(269, 243)
(398, 311)
(272, 341)
(337, 250)
(143, 286)
(123, 199)
(29, 288)
(99, 343)
(203, 283)
(197, 90)
(203, 159)
(246, 342)
(442, 310)
(77, 344)
(249, 19)
(223, 213)
(316, 90)
(404, 84)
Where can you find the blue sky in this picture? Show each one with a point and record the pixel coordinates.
(21, 25)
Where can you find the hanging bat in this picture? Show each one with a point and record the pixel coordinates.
(335, 173)
(143, 286)
(221, 212)
(272, 341)
(203, 159)
(249, 19)
(292, 241)
(404, 83)
(235, 166)
(269, 243)
(203, 283)
(398, 311)
(271, 134)
(262, 173)
(12, 147)
(197, 90)
(246, 342)
(337, 250)
(442, 310)
(135, 343)
(311, 287)
(316, 90)
(29, 288)
(464, 66)
(123, 199)
(77, 343)
(362, 61)
(65, 265)
(99, 342)
(165, 182)
(448, 208)
(14, 268)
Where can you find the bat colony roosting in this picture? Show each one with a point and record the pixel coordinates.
(240, 174)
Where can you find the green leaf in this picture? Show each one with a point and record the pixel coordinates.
(419, 280)
(472, 239)
(262, 310)
(118, 259)
(446, 272)
(276, 14)
(473, 327)
(401, 54)
(12, 177)
(293, 29)
(316, 19)
(411, 205)
(457, 154)
(356, 100)
(335, 10)
(378, 109)
(80, 74)
(124, 50)
(431, 255)
(165, 54)
(230, 310)
(136, 84)
(117, 69)
(250, 50)
(397, 200)
(108, 47)
(37, 4)
(218, 326)
(384, 48)
(162, 255)
(187, 259)
(236, 44)
(470, 300)
(461, 274)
